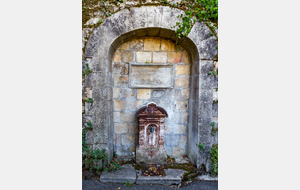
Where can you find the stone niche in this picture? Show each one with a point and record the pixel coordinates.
(150, 149)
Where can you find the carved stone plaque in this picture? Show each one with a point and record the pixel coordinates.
(151, 75)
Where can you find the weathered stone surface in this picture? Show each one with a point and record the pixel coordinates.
(143, 93)
(128, 173)
(160, 57)
(133, 128)
(119, 105)
(136, 44)
(116, 92)
(185, 94)
(173, 177)
(121, 81)
(183, 70)
(208, 48)
(152, 44)
(127, 56)
(128, 140)
(120, 128)
(120, 68)
(183, 140)
(128, 116)
(181, 105)
(167, 45)
(127, 93)
(158, 93)
(182, 82)
(134, 105)
(178, 151)
(184, 117)
(117, 56)
(174, 57)
(117, 117)
(144, 57)
(186, 57)
(151, 76)
(179, 129)
(207, 178)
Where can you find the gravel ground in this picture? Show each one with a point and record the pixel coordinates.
(196, 185)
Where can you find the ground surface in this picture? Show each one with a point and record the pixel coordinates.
(196, 185)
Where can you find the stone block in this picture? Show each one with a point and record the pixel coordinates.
(117, 56)
(174, 57)
(152, 44)
(127, 56)
(133, 128)
(173, 94)
(183, 70)
(120, 128)
(128, 140)
(117, 139)
(117, 117)
(172, 140)
(143, 57)
(179, 129)
(116, 93)
(160, 57)
(185, 93)
(128, 116)
(158, 93)
(181, 106)
(136, 44)
(121, 81)
(183, 140)
(186, 57)
(167, 45)
(182, 82)
(123, 46)
(119, 105)
(127, 93)
(178, 151)
(184, 117)
(135, 105)
(120, 68)
(143, 93)
(168, 128)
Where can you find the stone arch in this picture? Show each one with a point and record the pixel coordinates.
(150, 21)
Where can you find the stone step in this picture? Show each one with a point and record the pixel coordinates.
(128, 173)
(173, 177)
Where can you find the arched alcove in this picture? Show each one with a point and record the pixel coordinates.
(149, 21)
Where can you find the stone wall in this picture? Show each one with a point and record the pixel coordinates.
(128, 100)
(100, 43)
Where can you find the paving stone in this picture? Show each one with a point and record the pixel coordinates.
(128, 173)
(173, 177)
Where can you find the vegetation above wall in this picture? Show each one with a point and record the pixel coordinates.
(95, 11)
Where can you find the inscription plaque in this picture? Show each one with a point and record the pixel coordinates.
(151, 75)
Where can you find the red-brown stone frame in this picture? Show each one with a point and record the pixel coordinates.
(151, 148)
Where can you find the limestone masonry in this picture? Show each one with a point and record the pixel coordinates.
(135, 63)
